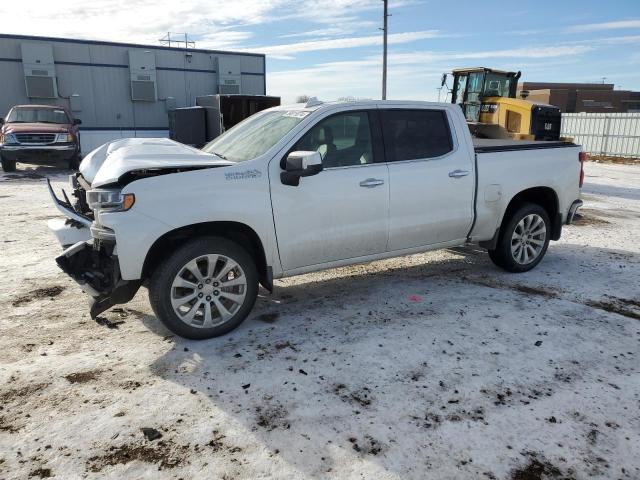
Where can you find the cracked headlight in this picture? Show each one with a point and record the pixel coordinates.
(110, 200)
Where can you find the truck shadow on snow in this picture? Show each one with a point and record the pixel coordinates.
(380, 364)
(29, 173)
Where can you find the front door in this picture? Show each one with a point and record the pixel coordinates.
(342, 212)
(431, 179)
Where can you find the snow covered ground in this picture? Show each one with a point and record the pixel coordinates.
(429, 366)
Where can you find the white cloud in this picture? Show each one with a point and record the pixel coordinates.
(526, 52)
(141, 21)
(412, 75)
(596, 27)
(349, 42)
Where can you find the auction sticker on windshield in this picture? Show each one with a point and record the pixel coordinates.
(296, 113)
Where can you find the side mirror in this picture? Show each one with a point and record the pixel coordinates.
(77, 121)
(443, 81)
(300, 164)
(1, 121)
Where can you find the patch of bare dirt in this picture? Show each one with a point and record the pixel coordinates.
(105, 322)
(83, 377)
(616, 160)
(5, 426)
(524, 395)
(622, 306)
(360, 396)
(163, 453)
(48, 292)
(25, 175)
(586, 217)
(218, 444)
(368, 446)
(41, 473)
(272, 416)
(21, 393)
(539, 468)
(268, 317)
(526, 289)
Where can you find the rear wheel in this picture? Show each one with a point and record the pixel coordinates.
(205, 289)
(523, 240)
(8, 165)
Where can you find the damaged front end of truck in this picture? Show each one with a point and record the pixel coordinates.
(92, 260)
(98, 205)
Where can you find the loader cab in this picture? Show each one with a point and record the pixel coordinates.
(472, 85)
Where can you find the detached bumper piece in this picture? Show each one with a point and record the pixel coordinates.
(97, 272)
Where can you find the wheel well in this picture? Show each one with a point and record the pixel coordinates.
(237, 232)
(545, 197)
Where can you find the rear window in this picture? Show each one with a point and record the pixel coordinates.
(414, 134)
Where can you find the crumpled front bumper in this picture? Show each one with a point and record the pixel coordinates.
(90, 260)
(95, 268)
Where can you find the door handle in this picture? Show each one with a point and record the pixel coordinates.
(458, 173)
(371, 182)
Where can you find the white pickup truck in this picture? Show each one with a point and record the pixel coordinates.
(300, 188)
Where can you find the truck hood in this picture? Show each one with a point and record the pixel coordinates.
(35, 127)
(106, 164)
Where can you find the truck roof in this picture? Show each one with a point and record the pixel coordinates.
(313, 104)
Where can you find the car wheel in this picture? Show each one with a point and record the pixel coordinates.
(206, 288)
(8, 165)
(523, 240)
(74, 162)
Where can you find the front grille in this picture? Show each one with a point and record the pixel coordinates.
(37, 138)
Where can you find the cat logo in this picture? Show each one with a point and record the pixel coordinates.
(548, 126)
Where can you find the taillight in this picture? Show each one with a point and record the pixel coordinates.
(582, 157)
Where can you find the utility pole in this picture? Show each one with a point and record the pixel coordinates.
(384, 51)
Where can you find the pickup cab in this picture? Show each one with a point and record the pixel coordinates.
(300, 188)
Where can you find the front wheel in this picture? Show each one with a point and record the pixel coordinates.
(523, 240)
(74, 162)
(205, 289)
(8, 165)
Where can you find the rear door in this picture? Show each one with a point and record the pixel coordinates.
(431, 178)
(342, 212)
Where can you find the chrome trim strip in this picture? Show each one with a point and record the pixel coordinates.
(37, 146)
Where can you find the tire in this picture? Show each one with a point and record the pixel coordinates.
(8, 165)
(523, 241)
(175, 282)
(74, 162)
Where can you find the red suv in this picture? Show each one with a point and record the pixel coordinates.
(41, 135)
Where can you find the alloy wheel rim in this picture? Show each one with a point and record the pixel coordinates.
(528, 239)
(208, 290)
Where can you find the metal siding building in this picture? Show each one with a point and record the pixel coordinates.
(97, 81)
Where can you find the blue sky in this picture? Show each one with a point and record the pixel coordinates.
(332, 48)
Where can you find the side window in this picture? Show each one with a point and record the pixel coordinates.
(413, 134)
(342, 140)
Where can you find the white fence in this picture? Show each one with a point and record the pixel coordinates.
(611, 134)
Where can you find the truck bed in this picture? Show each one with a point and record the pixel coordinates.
(482, 145)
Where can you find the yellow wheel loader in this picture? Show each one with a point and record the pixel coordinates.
(488, 99)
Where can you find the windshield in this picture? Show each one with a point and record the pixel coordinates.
(254, 136)
(497, 85)
(38, 115)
